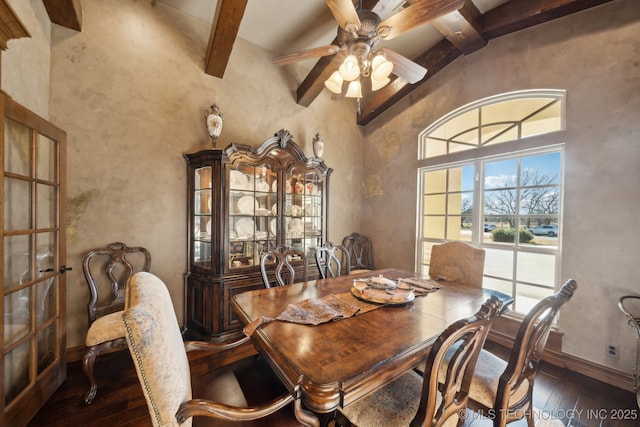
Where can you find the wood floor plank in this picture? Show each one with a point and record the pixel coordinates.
(120, 401)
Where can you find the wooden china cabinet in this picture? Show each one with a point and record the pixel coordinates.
(243, 201)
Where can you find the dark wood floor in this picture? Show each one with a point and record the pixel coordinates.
(576, 400)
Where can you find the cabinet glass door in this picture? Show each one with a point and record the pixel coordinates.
(304, 211)
(253, 213)
(202, 217)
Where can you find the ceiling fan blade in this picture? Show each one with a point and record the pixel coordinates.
(315, 52)
(404, 67)
(345, 12)
(417, 14)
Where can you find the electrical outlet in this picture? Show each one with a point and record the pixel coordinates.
(613, 351)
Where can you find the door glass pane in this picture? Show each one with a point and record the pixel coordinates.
(46, 303)
(46, 347)
(17, 306)
(17, 204)
(16, 371)
(46, 211)
(45, 159)
(17, 269)
(16, 148)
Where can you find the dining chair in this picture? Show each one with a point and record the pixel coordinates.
(457, 262)
(509, 396)
(281, 260)
(107, 271)
(332, 260)
(437, 398)
(162, 365)
(360, 250)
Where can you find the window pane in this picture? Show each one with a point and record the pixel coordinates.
(435, 205)
(545, 121)
(536, 268)
(16, 371)
(435, 147)
(498, 263)
(17, 204)
(435, 182)
(433, 227)
(461, 178)
(16, 148)
(17, 269)
(45, 165)
(528, 296)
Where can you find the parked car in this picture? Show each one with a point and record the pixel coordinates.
(489, 227)
(545, 230)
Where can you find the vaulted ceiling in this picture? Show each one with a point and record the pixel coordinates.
(463, 32)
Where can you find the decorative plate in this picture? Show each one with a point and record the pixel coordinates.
(273, 226)
(274, 209)
(399, 295)
(296, 210)
(245, 227)
(261, 185)
(238, 180)
(247, 205)
(274, 186)
(296, 225)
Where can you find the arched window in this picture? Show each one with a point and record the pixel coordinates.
(490, 173)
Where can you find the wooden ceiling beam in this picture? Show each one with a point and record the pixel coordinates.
(463, 28)
(10, 25)
(224, 29)
(505, 19)
(67, 13)
(434, 60)
(520, 14)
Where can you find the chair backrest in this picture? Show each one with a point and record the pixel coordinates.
(454, 372)
(281, 259)
(529, 345)
(107, 271)
(156, 347)
(360, 250)
(457, 262)
(332, 260)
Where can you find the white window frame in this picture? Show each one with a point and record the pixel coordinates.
(539, 144)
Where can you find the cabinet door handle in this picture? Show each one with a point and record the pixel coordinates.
(64, 269)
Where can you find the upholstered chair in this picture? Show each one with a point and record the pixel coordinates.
(504, 390)
(107, 271)
(437, 398)
(360, 250)
(162, 365)
(457, 262)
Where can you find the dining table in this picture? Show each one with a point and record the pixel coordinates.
(337, 362)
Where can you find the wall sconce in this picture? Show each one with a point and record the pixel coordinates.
(214, 122)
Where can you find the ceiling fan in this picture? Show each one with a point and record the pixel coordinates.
(359, 32)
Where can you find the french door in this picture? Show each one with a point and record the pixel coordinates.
(33, 297)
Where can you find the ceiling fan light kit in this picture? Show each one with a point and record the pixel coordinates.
(358, 33)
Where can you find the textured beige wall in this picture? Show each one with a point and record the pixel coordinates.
(594, 55)
(26, 62)
(131, 92)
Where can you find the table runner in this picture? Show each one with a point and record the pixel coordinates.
(314, 311)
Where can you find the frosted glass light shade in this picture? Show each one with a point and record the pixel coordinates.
(349, 70)
(354, 90)
(334, 83)
(379, 84)
(380, 67)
